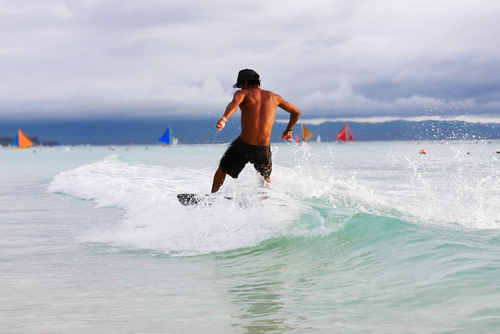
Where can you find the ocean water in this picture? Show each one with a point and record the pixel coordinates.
(358, 238)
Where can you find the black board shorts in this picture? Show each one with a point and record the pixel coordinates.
(240, 153)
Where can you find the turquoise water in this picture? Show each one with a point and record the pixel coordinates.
(359, 238)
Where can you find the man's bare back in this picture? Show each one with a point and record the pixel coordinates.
(258, 111)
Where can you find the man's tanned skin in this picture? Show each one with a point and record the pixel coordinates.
(258, 111)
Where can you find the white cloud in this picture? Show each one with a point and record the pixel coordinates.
(343, 99)
(127, 58)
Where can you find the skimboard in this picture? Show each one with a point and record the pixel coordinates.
(195, 199)
(189, 199)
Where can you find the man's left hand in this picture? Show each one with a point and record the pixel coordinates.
(287, 135)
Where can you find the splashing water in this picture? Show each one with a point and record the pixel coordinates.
(315, 190)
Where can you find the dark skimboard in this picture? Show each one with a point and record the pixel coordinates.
(195, 199)
(189, 199)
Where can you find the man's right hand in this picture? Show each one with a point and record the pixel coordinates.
(221, 123)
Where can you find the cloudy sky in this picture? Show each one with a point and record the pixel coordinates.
(331, 58)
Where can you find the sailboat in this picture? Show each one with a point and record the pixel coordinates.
(167, 138)
(21, 141)
(345, 134)
(306, 134)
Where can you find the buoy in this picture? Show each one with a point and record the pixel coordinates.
(422, 151)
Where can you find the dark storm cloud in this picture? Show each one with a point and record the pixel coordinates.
(112, 58)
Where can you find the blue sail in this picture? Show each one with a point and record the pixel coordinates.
(16, 142)
(166, 137)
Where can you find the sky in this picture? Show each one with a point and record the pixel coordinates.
(118, 59)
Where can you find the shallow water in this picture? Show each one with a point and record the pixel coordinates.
(358, 238)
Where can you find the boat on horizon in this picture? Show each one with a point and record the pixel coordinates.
(345, 134)
(167, 138)
(306, 133)
(21, 141)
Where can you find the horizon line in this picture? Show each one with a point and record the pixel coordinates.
(485, 119)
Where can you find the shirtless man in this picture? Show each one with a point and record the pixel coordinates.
(258, 110)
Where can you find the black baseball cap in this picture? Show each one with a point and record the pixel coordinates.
(246, 75)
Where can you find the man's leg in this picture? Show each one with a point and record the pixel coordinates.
(264, 181)
(219, 178)
(263, 163)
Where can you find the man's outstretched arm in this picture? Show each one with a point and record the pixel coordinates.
(294, 117)
(231, 108)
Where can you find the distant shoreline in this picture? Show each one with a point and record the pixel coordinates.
(281, 143)
(483, 119)
(147, 132)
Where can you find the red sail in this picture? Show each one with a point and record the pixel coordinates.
(345, 134)
(351, 137)
(342, 135)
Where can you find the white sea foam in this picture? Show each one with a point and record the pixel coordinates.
(452, 187)
(314, 191)
(154, 219)
(451, 184)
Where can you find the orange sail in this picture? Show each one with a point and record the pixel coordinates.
(306, 134)
(22, 141)
(345, 134)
